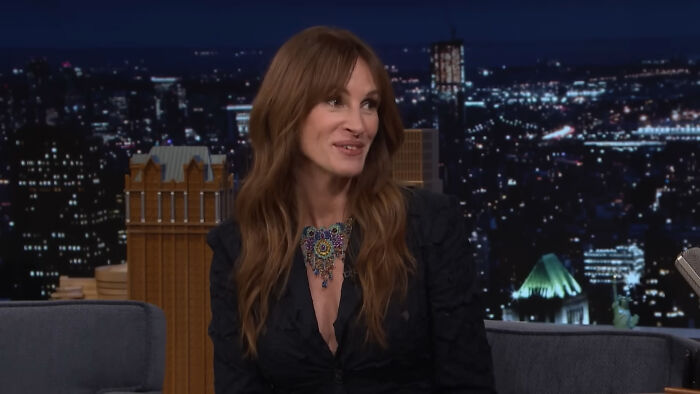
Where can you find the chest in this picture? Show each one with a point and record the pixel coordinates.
(300, 323)
(307, 316)
(326, 301)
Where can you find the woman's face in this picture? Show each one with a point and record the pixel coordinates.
(337, 133)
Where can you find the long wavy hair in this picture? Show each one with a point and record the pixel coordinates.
(305, 71)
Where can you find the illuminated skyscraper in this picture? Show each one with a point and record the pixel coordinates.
(238, 119)
(174, 196)
(416, 162)
(447, 83)
(165, 86)
(39, 98)
(59, 208)
(624, 263)
(170, 109)
(447, 69)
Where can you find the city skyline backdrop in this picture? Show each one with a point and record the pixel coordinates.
(569, 133)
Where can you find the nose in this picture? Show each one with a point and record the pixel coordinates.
(354, 123)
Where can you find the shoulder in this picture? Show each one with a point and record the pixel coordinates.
(224, 241)
(432, 214)
(421, 201)
(225, 238)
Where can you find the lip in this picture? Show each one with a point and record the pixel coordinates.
(354, 143)
(356, 152)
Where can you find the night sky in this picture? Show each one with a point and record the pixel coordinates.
(151, 23)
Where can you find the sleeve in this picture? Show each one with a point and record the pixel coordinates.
(462, 355)
(233, 373)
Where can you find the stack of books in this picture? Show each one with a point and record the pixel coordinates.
(112, 282)
(68, 293)
(70, 288)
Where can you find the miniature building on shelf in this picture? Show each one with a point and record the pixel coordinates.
(549, 294)
(174, 195)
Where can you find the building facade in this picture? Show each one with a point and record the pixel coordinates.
(174, 195)
(238, 119)
(61, 212)
(624, 263)
(416, 162)
(447, 91)
(447, 69)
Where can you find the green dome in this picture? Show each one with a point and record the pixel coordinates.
(548, 279)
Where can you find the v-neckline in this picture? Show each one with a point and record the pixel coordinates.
(349, 295)
(332, 335)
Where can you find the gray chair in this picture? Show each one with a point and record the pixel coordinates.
(81, 347)
(551, 358)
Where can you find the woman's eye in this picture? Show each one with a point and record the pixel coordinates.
(370, 104)
(333, 101)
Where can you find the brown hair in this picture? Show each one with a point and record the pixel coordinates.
(305, 71)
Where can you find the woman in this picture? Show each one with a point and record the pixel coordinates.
(331, 278)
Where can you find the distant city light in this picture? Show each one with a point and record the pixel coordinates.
(561, 133)
(165, 80)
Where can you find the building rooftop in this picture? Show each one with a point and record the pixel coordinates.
(548, 279)
(172, 160)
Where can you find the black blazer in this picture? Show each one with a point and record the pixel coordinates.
(436, 337)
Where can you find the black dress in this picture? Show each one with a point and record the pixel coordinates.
(436, 337)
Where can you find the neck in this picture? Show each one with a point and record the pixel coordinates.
(322, 199)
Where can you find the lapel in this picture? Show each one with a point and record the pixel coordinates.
(299, 298)
(350, 293)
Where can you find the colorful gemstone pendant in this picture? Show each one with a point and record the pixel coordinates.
(321, 246)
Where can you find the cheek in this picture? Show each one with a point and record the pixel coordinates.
(319, 128)
(373, 127)
(308, 140)
(310, 133)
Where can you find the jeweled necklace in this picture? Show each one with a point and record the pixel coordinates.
(321, 246)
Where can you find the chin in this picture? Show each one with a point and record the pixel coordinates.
(348, 172)
(346, 168)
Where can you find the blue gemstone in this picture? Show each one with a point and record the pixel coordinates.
(316, 272)
(324, 284)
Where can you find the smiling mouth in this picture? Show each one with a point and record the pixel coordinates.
(350, 149)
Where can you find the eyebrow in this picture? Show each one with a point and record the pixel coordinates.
(372, 93)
